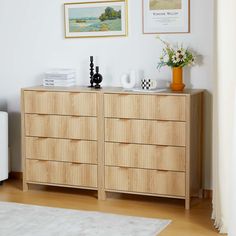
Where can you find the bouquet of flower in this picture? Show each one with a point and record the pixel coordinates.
(175, 56)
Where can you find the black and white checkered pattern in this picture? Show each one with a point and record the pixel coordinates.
(146, 84)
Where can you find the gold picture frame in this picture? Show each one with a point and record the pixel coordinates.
(155, 16)
(96, 19)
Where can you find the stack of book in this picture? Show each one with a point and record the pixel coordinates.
(60, 78)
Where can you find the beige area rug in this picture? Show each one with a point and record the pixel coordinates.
(28, 220)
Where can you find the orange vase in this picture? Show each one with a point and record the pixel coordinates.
(177, 79)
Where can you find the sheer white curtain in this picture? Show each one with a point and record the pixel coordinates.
(232, 197)
(224, 143)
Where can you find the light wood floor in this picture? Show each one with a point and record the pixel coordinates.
(195, 222)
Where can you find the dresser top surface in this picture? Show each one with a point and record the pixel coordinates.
(115, 90)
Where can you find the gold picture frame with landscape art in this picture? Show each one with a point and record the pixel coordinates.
(166, 16)
(96, 19)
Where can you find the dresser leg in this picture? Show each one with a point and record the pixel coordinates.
(25, 187)
(200, 195)
(102, 195)
(187, 203)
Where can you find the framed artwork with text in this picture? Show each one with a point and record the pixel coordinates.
(166, 16)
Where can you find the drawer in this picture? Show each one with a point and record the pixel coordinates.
(60, 103)
(61, 173)
(145, 132)
(145, 156)
(153, 107)
(76, 151)
(145, 181)
(71, 127)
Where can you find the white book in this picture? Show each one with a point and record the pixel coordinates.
(57, 81)
(53, 85)
(61, 77)
(60, 72)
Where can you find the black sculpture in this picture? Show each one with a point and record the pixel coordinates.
(91, 72)
(97, 78)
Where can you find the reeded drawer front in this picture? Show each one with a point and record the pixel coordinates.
(145, 132)
(145, 181)
(60, 103)
(61, 173)
(76, 151)
(61, 126)
(145, 156)
(152, 107)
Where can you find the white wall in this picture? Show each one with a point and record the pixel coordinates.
(32, 40)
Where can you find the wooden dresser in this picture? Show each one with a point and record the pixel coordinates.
(60, 138)
(112, 140)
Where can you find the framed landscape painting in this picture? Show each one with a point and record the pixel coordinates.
(166, 16)
(96, 19)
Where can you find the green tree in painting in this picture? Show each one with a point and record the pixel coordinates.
(110, 14)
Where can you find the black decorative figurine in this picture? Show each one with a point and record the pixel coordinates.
(97, 78)
(91, 71)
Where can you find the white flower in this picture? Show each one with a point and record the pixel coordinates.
(193, 62)
(180, 56)
(175, 59)
(181, 51)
